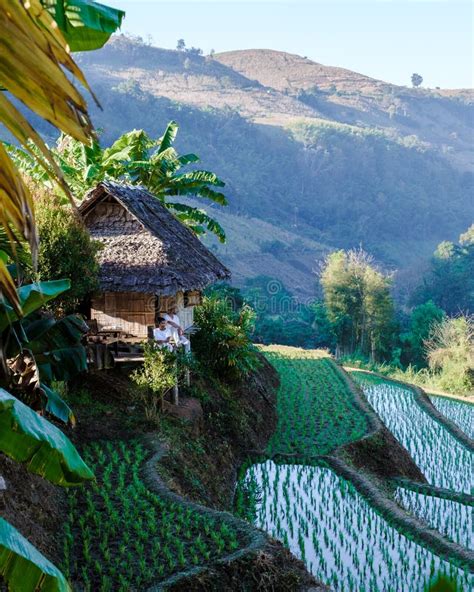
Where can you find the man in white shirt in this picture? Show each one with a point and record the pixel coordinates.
(162, 335)
(174, 325)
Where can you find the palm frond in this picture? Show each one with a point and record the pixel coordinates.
(200, 177)
(167, 139)
(195, 215)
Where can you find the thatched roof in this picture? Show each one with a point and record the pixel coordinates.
(146, 249)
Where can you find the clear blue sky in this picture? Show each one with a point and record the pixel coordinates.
(386, 39)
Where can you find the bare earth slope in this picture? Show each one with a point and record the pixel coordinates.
(437, 117)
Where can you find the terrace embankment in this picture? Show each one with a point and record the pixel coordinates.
(33, 506)
(323, 416)
(196, 463)
(378, 452)
(322, 411)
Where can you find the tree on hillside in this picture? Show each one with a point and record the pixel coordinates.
(416, 79)
(449, 282)
(358, 302)
(180, 45)
(422, 320)
(66, 250)
(139, 160)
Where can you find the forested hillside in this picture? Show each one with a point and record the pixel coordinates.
(322, 154)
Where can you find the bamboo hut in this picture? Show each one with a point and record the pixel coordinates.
(148, 261)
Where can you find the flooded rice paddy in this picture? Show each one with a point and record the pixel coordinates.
(442, 459)
(462, 414)
(342, 540)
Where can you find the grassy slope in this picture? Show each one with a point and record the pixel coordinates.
(350, 97)
(243, 253)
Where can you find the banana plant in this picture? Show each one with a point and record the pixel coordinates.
(33, 69)
(39, 348)
(35, 442)
(137, 159)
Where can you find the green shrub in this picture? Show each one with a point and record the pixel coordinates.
(66, 251)
(450, 353)
(154, 379)
(222, 343)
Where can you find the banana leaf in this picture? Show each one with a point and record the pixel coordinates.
(57, 406)
(43, 448)
(58, 350)
(199, 217)
(86, 25)
(32, 297)
(23, 567)
(33, 68)
(62, 364)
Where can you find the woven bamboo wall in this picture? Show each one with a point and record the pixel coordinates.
(132, 312)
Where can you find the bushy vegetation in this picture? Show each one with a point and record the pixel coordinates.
(66, 251)
(279, 316)
(450, 353)
(120, 535)
(154, 379)
(449, 282)
(222, 343)
(412, 342)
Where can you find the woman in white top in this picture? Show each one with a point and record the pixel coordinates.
(174, 326)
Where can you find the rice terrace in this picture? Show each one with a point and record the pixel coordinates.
(353, 535)
(236, 296)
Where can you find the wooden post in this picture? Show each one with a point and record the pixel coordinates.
(175, 387)
(175, 394)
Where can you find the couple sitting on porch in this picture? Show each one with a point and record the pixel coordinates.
(168, 333)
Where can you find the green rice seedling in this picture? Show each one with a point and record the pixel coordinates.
(459, 412)
(356, 549)
(442, 459)
(316, 411)
(127, 537)
(452, 519)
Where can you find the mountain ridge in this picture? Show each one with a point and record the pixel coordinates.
(333, 167)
